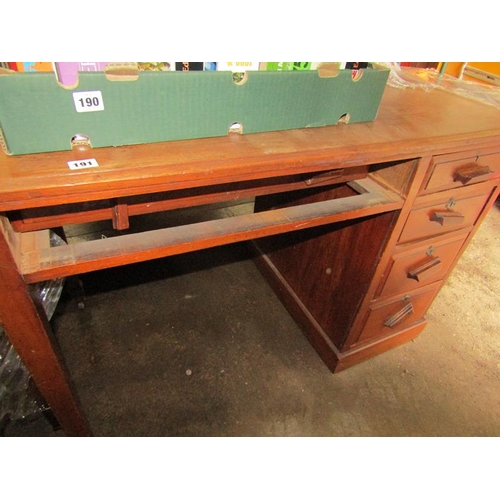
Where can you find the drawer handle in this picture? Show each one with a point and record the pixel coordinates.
(421, 273)
(400, 315)
(325, 177)
(447, 218)
(470, 172)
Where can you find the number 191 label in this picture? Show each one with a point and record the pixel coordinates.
(88, 101)
(79, 164)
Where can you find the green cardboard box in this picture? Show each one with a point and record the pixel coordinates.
(38, 115)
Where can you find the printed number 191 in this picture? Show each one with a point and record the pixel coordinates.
(79, 164)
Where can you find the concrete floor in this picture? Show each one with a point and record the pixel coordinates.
(198, 345)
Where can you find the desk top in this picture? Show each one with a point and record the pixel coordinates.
(410, 123)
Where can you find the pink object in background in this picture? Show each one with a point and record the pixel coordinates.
(67, 72)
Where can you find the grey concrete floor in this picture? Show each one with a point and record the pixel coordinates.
(198, 345)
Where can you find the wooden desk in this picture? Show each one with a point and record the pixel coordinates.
(356, 226)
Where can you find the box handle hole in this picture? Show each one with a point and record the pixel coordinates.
(344, 118)
(240, 78)
(235, 128)
(356, 75)
(328, 70)
(81, 142)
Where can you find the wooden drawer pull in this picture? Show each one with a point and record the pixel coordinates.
(325, 177)
(447, 218)
(400, 315)
(421, 273)
(120, 217)
(471, 171)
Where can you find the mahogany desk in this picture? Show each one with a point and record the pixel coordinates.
(356, 226)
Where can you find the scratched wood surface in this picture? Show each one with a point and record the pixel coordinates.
(410, 123)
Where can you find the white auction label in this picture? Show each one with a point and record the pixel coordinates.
(88, 101)
(79, 164)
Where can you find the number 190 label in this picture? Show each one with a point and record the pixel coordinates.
(88, 101)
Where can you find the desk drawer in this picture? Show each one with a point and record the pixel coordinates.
(388, 317)
(422, 264)
(442, 214)
(448, 171)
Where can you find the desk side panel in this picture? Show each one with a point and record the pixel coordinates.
(328, 269)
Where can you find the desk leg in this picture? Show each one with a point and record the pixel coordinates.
(29, 332)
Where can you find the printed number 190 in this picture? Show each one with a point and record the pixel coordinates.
(88, 101)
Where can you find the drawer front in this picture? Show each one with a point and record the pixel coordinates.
(444, 215)
(387, 318)
(448, 172)
(421, 265)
